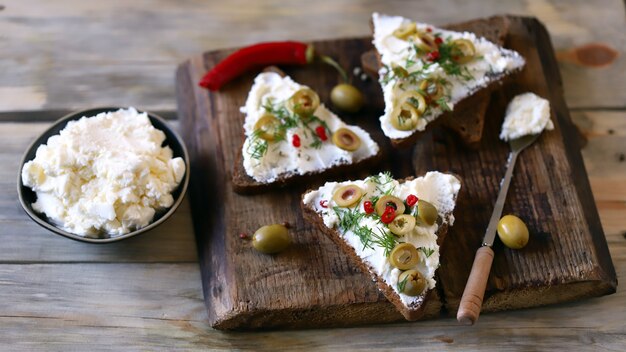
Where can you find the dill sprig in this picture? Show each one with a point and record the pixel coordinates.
(402, 284)
(258, 146)
(427, 251)
(384, 239)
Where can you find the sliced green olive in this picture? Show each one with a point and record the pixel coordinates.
(304, 102)
(426, 212)
(404, 256)
(402, 224)
(268, 127)
(399, 71)
(346, 139)
(405, 30)
(513, 232)
(348, 195)
(411, 106)
(346, 97)
(433, 88)
(426, 42)
(412, 283)
(463, 51)
(271, 239)
(388, 200)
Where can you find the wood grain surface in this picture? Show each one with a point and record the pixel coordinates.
(60, 295)
(313, 285)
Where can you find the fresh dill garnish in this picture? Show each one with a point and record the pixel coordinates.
(427, 251)
(384, 239)
(447, 50)
(258, 146)
(402, 284)
(443, 104)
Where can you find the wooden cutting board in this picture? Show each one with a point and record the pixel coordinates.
(312, 284)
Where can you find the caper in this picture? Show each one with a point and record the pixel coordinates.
(346, 139)
(267, 127)
(404, 256)
(348, 195)
(411, 282)
(346, 97)
(411, 105)
(433, 88)
(271, 239)
(513, 232)
(304, 102)
(426, 212)
(402, 224)
(405, 30)
(463, 51)
(389, 200)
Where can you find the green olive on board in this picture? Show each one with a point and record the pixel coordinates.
(348, 195)
(271, 239)
(404, 256)
(513, 232)
(411, 283)
(346, 97)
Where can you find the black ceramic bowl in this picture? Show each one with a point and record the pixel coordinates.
(28, 197)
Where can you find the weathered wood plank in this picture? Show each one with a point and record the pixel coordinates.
(160, 307)
(56, 63)
(566, 260)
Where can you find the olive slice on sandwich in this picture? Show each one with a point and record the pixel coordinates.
(389, 201)
(402, 224)
(404, 31)
(348, 195)
(404, 256)
(346, 139)
(411, 105)
(411, 283)
(304, 102)
(463, 51)
(426, 212)
(268, 128)
(433, 88)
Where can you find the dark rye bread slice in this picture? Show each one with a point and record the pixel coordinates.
(468, 117)
(244, 184)
(427, 309)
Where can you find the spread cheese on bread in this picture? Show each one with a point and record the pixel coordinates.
(390, 228)
(289, 132)
(427, 70)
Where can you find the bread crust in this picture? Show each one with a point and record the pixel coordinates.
(410, 313)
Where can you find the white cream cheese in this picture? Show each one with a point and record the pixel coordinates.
(526, 114)
(107, 173)
(490, 63)
(282, 159)
(437, 188)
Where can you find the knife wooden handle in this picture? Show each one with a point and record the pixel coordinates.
(472, 299)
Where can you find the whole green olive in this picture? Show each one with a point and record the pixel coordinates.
(346, 97)
(513, 232)
(411, 283)
(271, 239)
(426, 212)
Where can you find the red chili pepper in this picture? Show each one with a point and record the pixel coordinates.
(411, 199)
(388, 215)
(321, 132)
(295, 140)
(438, 40)
(432, 56)
(254, 56)
(368, 207)
(324, 203)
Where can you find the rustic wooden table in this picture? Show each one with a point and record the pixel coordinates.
(145, 293)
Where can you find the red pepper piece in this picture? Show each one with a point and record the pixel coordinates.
(368, 207)
(388, 215)
(321, 132)
(438, 40)
(254, 56)
(324, 203)
(411, 199)
(295, 140)
(432, 56)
